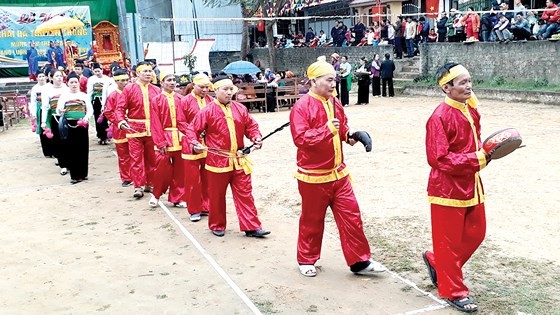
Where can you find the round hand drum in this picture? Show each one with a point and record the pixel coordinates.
(502, 143)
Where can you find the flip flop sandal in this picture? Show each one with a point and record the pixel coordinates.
(431, 270)
(308, 270)
(461, 303)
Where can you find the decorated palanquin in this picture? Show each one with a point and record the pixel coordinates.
(108, 45)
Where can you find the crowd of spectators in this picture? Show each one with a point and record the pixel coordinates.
(500, 23)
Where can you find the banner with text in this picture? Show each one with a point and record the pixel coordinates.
(17, 30)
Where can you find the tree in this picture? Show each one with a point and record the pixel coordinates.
(250, 9)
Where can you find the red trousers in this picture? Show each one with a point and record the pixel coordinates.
(339, 196)
(456, 234)
(196, 186)
(142, 160)
(123, 155)
(169, 174)
(241, 189)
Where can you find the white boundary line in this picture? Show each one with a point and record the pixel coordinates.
(213, 262)
(442, 304)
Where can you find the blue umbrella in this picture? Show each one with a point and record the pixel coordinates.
(241, 67)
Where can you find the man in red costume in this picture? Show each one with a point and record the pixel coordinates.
(225, 123)
(119, 136)
(169, 169)
(319, 126)
(133, 115)
(454, 151)
(196, 184)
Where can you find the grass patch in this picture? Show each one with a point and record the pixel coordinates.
(500, 283)
(266, 307)
(497, 82)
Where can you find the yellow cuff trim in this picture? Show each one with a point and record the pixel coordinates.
(125, 140)
(481, 159)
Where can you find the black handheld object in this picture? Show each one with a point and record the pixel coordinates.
(364, 138)
(247, 150)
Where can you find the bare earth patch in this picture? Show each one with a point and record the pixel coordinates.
(92, 248)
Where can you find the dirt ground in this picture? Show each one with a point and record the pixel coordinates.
(80, 249)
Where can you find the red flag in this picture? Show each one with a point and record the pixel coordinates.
(432, 7)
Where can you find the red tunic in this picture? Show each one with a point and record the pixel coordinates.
(163, 121)
(119, 136)
(191, 105)
(134, 107)
(225, 126)
(453, 147)
(319, 155)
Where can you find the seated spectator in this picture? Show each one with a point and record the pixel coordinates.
(322, 38)
(370, 36)
(261, 78)
(502, 30)
(533, 22)
(309, 36)
(433, 36)
(521, 29)
(550, 17)
(504, 7)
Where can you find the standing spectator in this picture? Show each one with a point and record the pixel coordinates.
(410, 34)
(486, 26)
(425, 29)
(398, 37)
(359, 30)
(384, 30)
(59, 55)
(309, 36)
(345, 80)
(550, 17)
(442, 27)
(454, 27)
(502, 30)
(376, 32)
(521, 29)
(387, 70)
(363, 82)
(390, 33)
(375, 70)
(51, 55)
(471, 22)
(32, 61)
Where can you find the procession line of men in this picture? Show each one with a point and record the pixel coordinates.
(192, 146)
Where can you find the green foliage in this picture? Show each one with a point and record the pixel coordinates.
(189, 60)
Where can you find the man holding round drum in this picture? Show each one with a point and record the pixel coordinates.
(455, 191)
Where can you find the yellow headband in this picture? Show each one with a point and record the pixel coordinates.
(120, 77)
(143, 67)
(201, 79)
(162, 75)
(319, 69)
(225, 82)
(452, 74)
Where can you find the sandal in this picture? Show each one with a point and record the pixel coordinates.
(63, 171)
(308, 270)
(462, 303)
(153, 202)
(431, 270)
(138, 193)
